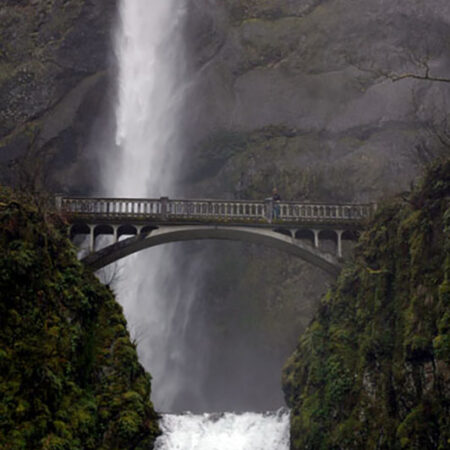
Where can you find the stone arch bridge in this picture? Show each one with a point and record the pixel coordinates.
(136, 224)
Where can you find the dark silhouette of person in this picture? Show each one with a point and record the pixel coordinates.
(276, 204)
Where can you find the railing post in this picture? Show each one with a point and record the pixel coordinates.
(164, 201)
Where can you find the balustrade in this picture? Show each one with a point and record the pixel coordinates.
(167, 209)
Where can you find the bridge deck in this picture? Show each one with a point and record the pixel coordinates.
(220, 212)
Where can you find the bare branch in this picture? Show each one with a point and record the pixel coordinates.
(397, 77)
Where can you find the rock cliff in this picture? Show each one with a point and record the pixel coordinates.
(373, 368)
(54, 62)
(69, 374)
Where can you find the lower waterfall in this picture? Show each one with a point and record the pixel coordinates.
(225, 431)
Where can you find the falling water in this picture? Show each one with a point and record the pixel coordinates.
(149, 45)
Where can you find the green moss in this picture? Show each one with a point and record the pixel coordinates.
(371, 370)
(70, 376)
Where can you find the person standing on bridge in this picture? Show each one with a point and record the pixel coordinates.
(276, 204)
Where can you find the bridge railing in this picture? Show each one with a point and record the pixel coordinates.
(166, 209)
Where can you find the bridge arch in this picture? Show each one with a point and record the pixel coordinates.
(165, 234)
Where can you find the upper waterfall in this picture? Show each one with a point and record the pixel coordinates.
(150, 65)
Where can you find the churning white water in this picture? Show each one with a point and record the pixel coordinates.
(225, 431)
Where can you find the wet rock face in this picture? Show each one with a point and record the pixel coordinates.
(316, 67)
(53, 61)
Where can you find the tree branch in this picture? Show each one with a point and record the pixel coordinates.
(397, 77)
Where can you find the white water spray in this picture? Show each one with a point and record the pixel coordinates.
(226, 431)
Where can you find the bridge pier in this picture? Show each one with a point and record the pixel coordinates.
(316, 238)
(91, 238)
(339, 242)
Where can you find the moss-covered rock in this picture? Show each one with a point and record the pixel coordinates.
(372, 370)
(69, 374)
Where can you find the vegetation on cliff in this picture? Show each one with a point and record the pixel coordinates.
(372, 370)
(69, 374)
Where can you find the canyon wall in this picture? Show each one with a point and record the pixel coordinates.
(301, 95)
(297, 94)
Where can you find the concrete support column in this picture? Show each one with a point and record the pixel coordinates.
(316, 238)
(115, 233)
(91, 238)
(339, 242)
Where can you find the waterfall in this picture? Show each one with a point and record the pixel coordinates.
(149, 47)
(157, 287)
